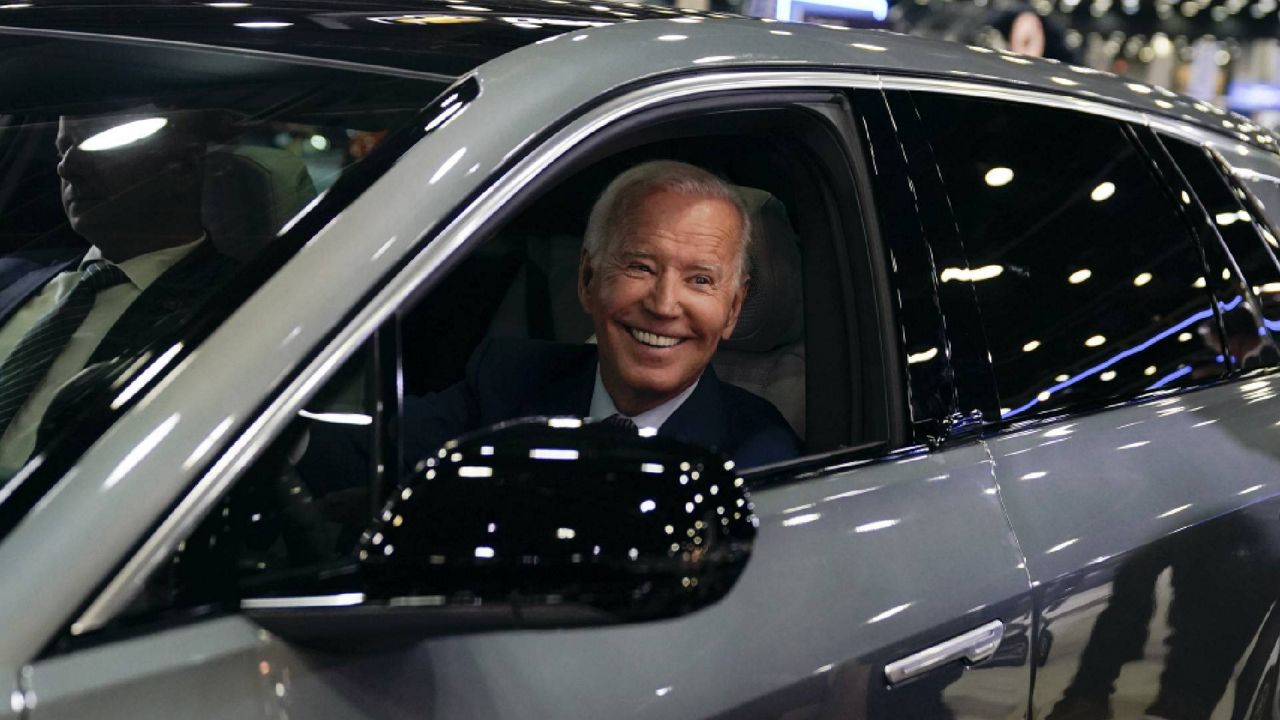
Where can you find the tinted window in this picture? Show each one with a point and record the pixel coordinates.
(1225, 208)
(1089, 283)
(1262, 178)
(134, 186)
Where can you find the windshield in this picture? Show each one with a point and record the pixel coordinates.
(137, 183)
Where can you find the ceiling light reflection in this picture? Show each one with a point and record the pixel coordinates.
(998, 176)
(986, 272)
(125, 134)
(924, 356)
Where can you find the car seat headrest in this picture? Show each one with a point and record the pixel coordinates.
(773, 312)
(249, 194)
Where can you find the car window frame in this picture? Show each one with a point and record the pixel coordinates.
(1213, 244)
(1132, 123)
(437, 248)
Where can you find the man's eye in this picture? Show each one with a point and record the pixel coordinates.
(702, 280)
(639, 267)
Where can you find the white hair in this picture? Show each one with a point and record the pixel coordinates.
(616, 211)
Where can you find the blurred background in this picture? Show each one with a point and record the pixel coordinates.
(1221, 51)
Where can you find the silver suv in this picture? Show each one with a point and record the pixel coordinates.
(1021, 315)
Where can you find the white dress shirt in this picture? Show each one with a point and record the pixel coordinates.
(20, 437)
(602, 406)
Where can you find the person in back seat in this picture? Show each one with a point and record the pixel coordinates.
(663, 276)
(131, 187)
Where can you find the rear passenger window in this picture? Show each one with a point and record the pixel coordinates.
(1090, 285)
(1243, 236)
(1262, 178)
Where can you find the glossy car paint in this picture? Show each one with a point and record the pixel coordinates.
(145, 462)
(1189, 479)
(808, 628)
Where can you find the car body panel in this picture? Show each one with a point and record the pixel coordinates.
(1188, 480)
(808, 628)
(707, 40)
(330, 296)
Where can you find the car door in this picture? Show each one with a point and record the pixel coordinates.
(884, 579)
(1135, 442)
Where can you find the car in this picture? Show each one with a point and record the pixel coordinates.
(1022, 314)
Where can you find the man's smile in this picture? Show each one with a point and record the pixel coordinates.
(653, 339)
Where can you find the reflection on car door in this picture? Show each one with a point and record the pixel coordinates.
(1147, 514)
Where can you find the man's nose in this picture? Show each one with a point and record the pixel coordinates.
(663, 298)
(72, 164)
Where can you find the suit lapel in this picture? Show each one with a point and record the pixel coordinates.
(700, 419)
(568, 392)
(23, 276)
(169, 301)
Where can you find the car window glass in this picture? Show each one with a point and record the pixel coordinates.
(1089, 284)
(1262, 178)
(290, 523)
(1245, 239)
(130, 197)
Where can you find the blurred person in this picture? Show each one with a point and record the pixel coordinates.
(1222, 590)
(1023, 30)
(131, 186)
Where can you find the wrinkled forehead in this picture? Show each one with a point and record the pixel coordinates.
(715, 225)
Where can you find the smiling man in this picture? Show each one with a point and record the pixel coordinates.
(663, 275)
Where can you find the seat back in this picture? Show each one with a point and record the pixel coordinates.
(250, 192)
(765, 354)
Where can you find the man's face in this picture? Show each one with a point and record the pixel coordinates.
(664, 300)
(123, 188)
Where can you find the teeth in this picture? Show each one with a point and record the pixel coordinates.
(649, 338)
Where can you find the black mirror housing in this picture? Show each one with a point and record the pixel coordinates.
(554, 516)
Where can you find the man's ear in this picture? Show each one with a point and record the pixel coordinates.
(586, 274)
(739, 296)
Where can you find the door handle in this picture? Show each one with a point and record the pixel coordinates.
(974, 646)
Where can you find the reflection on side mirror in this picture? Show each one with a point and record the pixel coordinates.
(553, 515)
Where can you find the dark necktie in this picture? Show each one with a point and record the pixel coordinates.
(30, 361)
(619, 421)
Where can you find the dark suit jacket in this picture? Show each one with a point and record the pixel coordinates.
(167, 304)
(509, 379)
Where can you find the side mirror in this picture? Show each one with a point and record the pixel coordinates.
(565, 523)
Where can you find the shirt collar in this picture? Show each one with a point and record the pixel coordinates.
(602, 405)
(144, 269)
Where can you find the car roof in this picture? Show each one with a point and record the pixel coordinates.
(446, 40)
